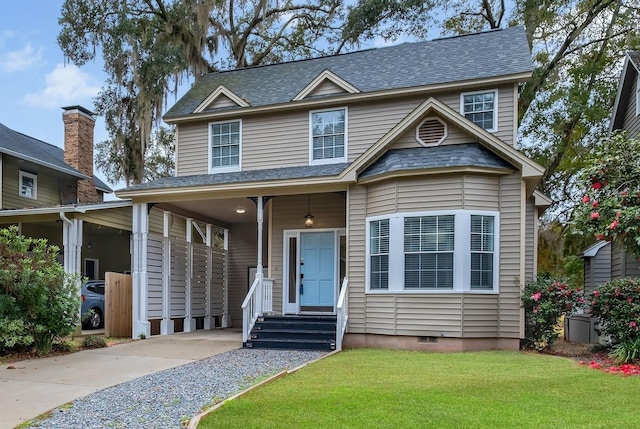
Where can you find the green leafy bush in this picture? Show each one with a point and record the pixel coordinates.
(93, 342)
(545, 301)
(38, 301)
(616, 304)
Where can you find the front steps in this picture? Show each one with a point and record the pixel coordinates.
(294, 332)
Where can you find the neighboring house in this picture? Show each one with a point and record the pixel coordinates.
(49, 192)
(602, 261)
(389, 175)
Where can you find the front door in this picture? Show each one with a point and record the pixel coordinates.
(317, 271)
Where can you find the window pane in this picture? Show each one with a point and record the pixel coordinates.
(328, 129)
(379, 251)
(225, 144)
(480, 108)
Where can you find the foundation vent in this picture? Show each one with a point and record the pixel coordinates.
(427, 339)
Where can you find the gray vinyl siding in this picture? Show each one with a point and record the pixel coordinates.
(220, 102)
(243, 248)
(450, 315)
(47, 189)
(177, 224)
(530, 242)
(287, 212)
(265, 145)
(597, 269)
(631, 122)
(623, 265)
(454, 136)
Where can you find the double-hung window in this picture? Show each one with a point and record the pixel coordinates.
(482, 233)
(428, 252)
(28, 185)
(328, 136)
(481, 108)
(379, 254)
(448, 251)
(225, 145)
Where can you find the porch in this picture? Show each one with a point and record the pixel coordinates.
(243, 260)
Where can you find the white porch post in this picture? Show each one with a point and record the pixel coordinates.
(208, 300)
(259, 268)
(141, 325)
(189, 321)
(225, 308)
(72, 247)
(166, 324)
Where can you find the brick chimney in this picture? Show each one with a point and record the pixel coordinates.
(78, 149)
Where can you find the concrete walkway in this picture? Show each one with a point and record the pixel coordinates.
(39, 385)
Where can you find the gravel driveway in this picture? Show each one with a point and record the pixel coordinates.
(170, 398)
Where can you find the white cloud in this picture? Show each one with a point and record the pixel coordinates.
(20, 60)
(64, 85)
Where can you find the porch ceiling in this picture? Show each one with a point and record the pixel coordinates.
(221, 212)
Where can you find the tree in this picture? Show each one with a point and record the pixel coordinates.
(610, 205)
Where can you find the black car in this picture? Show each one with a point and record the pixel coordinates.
(93, 304)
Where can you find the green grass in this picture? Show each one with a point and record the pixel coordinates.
(367, 388)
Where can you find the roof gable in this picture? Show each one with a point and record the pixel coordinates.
(492, 56)
(531, 171)
(219, 98)
(326, 83)
(629, 73)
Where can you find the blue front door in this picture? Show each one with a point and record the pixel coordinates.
(318, 269)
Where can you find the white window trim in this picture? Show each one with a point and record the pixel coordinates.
(228, 169)
(461, 256)
(346, 137)
(495, 106)
(638, 94)
(34, 177)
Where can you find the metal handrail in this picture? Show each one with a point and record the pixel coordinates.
(342, 311)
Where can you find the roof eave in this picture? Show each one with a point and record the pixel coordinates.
(622, 94)
(342, 98)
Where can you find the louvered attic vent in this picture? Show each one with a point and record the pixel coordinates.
(431, 132)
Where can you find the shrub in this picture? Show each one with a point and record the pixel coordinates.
(545, 301)
(93, 342)
(38, 301)
(616, 304)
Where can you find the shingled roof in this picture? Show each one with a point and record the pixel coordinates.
(419, 158)
(41, 153)
(476, 56)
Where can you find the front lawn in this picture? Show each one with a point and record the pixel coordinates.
(367, 388)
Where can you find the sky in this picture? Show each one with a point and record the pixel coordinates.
(36, 81)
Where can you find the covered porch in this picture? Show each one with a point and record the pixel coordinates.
(282, 253)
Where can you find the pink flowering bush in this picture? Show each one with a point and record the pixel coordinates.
(609, 208)
(617, 306)
(545, 301)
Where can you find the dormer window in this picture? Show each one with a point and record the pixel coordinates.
(225, 146)
(481, 108)
(28, 185)
(328, 136)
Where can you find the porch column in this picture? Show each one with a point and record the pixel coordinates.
(260, 213)
(141, 325)
(189, 321)
(166, 324)
(72, 248)
(208, 300)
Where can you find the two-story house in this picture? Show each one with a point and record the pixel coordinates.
(383, 187)
(52, 193)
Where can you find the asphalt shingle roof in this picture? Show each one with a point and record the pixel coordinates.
(475, 56)
(28, 148)
(459, 155)
(282, 173)
(635, 58)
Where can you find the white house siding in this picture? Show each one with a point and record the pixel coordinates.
(424, 314)
(264, 145)
(631, 122)
(287, 212)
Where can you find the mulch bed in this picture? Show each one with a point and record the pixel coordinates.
(598, 360)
